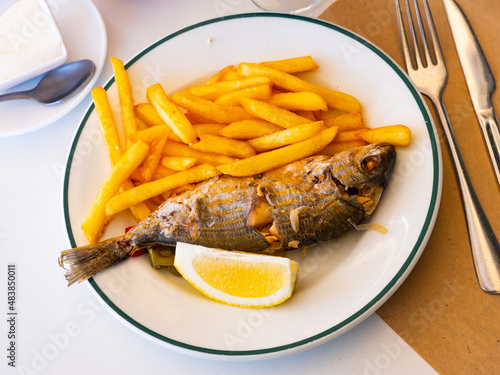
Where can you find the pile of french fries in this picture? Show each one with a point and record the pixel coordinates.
(247, 119)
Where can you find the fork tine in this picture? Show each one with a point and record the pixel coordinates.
(434, 37)
(404, 38)
(421, 28)
(418, 56)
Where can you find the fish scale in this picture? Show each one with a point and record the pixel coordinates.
(325, 216)
(221, 216)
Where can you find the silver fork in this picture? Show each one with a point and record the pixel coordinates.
(430, 78)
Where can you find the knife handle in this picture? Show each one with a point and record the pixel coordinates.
(489, 125)
(484, 244)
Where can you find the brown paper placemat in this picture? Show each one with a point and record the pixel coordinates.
(440, 309)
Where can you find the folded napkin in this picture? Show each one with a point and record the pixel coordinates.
(440, 309)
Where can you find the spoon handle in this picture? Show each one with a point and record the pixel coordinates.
(14, 95)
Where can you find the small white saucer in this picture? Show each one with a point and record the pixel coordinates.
(84, 35)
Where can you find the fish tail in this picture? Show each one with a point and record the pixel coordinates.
(84, 262)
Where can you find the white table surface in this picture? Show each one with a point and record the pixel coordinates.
(64, 330)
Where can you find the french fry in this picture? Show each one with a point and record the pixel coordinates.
(260, 92)
(288, 82)
(147, 113)
(93, 225)
(271, 113)
(152, 205)
(223, 114)
(110, 133)
(182, 189)
(162, 171)
(136, 176)
(151, 189)
(337, 99)
(285, 137)
(276, 158)
(140, 210)
(298, 101)
(398, 135)
(208, 128)
(125, 96)
(141, 125)
(349, 135)
(318, 115)
(221, 74)
(248, 129)
(107, 123)
(179, 149)
(335, 147)
(223, 146)
(157, 200)
(293, 65)
(178, 163)
(215, 90)
(307, 114)
(346, 121)
(171, 114)
(153, 159)
(152, 133)
(196, 119)
(231, 75)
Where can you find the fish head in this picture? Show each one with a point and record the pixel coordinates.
(363, 172)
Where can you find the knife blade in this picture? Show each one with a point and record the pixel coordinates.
(479, 78)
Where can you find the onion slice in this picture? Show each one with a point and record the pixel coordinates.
(369, 226)
(294, 217)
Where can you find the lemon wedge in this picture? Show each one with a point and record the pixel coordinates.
(237, 278)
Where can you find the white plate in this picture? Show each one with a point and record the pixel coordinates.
(84, 35)
(340, 283)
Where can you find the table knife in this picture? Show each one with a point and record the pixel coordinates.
(480, 81)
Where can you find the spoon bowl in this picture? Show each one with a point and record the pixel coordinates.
(57, 84)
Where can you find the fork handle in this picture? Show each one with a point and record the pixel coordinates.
(484, 244)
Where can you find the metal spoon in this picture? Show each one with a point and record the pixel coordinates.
(57, 83)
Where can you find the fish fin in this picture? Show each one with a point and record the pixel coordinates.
(84, 262)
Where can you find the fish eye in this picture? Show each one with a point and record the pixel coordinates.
(352, 190)
(371, 162)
